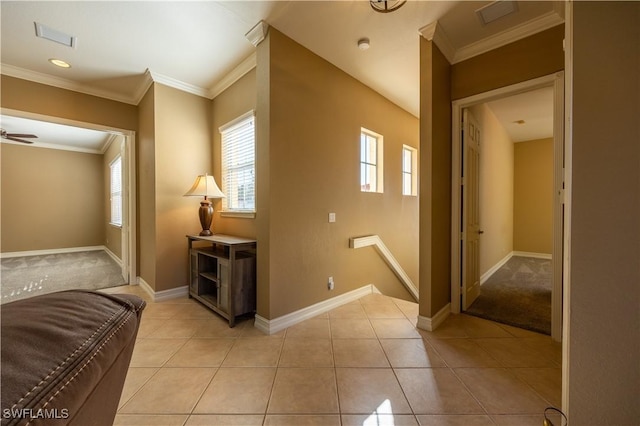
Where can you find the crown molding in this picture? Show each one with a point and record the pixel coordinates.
(37, 77)
(541, 23)
(144, 86)
(258, 33)
(243, 67)
(177, 84)
(44, 145)
(434, 32)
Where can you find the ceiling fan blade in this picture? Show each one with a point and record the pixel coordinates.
(21, 135)
(11, 138)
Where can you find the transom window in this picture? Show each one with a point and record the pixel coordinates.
(409, 170)
(371, 161)
(238, 164)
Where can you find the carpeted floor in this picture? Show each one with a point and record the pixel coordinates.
(518, 294)
(22, 277)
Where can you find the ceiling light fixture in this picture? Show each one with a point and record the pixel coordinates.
(384, 6)
(363, 43)
(59, 63)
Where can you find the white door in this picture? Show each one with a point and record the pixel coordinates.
(470, 210)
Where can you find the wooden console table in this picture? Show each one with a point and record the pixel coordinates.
(222, 274)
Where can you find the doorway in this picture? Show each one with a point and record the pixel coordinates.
(462, 291)
(122, 144)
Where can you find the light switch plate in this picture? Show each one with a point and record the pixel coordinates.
(332, 217)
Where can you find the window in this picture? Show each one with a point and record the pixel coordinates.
(371, 177)
(409, 170)
(116, 191)
(238, 165)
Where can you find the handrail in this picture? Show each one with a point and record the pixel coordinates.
(374, 240)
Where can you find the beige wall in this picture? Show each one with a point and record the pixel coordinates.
(533, 196)
(182, 151)
(146, 188)
(113, 234)
(23, 95)
(496, 189)
(435, 180)
(604, 320)
(311, 167)
(50, 199)
(534, 56)
(238, 99)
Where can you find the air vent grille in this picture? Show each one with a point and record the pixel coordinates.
(496, 10)
(47, 33)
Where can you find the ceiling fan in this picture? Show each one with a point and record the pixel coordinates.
(17, 137)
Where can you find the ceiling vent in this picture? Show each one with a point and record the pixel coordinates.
(45, 32)
(496, 10)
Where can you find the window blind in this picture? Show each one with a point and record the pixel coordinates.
(238, 164)
(116, 191)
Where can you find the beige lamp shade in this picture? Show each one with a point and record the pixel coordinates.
(205, 186)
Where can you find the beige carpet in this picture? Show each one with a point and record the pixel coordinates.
(22, 277)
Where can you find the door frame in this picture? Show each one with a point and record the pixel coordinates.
(129, 249)
(556, 81)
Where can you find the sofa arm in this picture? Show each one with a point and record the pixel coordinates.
(65, 356)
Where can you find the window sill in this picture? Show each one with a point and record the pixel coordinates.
(116, 225)
(241, 215)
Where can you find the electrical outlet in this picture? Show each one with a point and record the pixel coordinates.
(330, 284)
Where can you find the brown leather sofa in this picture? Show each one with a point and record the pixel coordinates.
(65, 357)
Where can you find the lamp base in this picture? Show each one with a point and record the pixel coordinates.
(206, 216)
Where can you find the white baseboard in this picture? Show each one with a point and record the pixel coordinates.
(530, 254)
(159, 296)
(484, 277)
(430, 324)
(113, 256)
(278, 324)
(50, 251)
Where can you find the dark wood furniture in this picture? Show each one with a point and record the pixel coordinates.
(222, 274)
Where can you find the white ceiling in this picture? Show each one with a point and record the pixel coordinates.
(57, 136)
(535, 108)
(196, 45)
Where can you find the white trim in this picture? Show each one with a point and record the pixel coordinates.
(238, 214)
(257, 33)
(434, 32)
(160, 296)
(376, 241)
(46, 252)
(45, 145)
(278, 324)
(558, 205)
(430, 324)
(484, 277)
(113, 256)
(180, 85)
(568, 188)
(532, 254)
(529, 28)
(236, 74)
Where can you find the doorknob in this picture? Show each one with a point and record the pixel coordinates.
(480, 231)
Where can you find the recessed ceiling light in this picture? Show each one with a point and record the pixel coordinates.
(59, 63)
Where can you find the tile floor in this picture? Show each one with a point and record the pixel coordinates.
(363, 363)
